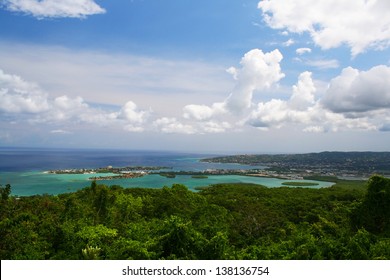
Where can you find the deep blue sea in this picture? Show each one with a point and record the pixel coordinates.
(24, 169)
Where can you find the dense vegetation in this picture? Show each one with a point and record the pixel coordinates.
(226, 221)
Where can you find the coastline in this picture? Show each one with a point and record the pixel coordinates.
(38, 183)
(55, 173)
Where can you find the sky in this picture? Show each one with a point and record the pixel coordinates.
(217, 76)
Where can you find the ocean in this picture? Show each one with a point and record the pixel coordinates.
(26, 169)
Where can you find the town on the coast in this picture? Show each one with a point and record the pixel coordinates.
(111, 172)
(357, 165)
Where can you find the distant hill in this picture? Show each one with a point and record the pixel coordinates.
(362, 162)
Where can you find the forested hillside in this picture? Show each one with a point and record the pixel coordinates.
(228, 221)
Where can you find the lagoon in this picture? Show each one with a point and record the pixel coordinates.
(32, 183)
(25, 170)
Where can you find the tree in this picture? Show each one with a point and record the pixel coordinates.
(91, 253)
(374, 212)
(5, 192)
(179, 240)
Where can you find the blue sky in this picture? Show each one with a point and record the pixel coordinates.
(200, 76)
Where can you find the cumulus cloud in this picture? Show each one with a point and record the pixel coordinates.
(355, 100)
(258, 71)
(355, 91)
(303, 92)
(203, 112)
(64, 103)
(54, 8)
(359, 24)
(26, 101)
(277, 112)
(134, 117)
(67, 109)
(300, 109)
(132, 114)
(19, 96)
(268, 114)
(165, 85)
(76, 110)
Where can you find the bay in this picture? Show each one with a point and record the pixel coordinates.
(25, 170)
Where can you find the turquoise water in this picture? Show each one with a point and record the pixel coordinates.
(24, 170)
(30, 183)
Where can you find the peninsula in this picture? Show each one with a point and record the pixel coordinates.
(339, 164)
(126, 172)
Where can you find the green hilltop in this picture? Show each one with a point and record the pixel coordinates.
(350, 220)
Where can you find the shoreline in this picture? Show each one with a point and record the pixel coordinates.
(54, 184)
(114, 177)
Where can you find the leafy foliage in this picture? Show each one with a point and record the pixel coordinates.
(225, 221)
(5, 192)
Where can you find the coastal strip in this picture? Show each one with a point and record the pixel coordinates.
(121, 176)
(127, 172)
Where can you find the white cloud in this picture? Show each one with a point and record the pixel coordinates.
(268, 114)
(166, 85)
(299, 109)
(64, 103)
(359, 91)
(360, 24)
(54, 8)
(303, 92)
(25, 101)
(132, 114)
(172, 125)
(301, 51)
(203, 112)
(75, 110)
(303, 111)
(258, 71)
(19, 96)
(64, 109)
(345, 105)
(198, 112)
